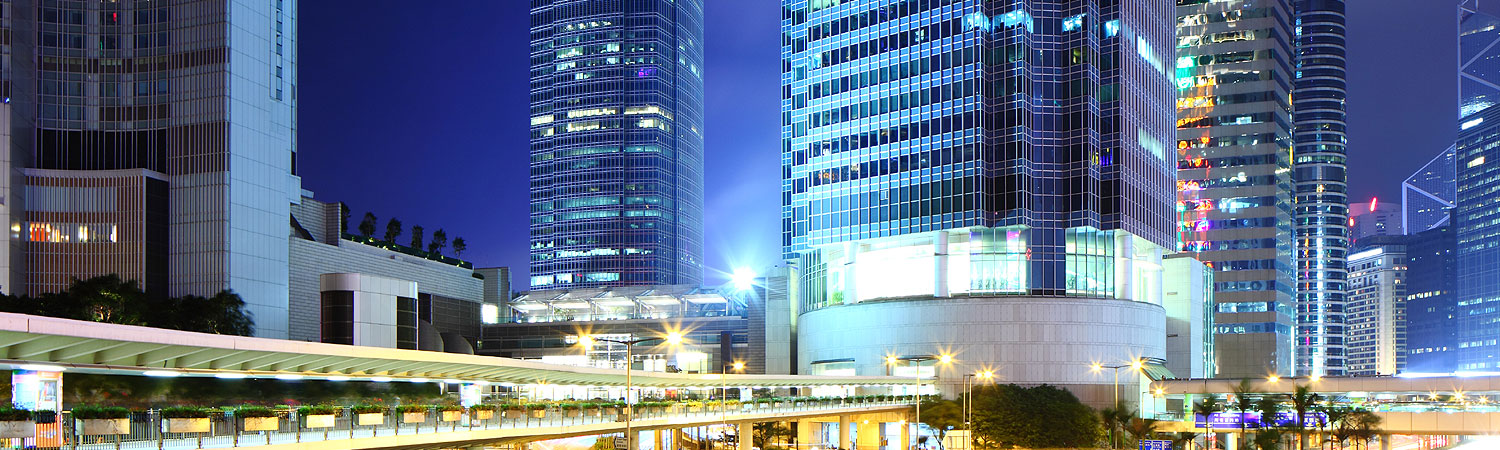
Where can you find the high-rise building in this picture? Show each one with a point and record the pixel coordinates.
(1374, 218)
(616, 143)
(1321, 215)
(1478, 58)
(1428, 194)
(156, 140)
(1234, 127)
(966, 176)
(1376, 315)
(1478, 223)
(1431, 300)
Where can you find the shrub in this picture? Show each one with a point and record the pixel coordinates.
(184, 412)
(483, 408)
(249, 411)
(571, 406)
(513, 407)
(91, 412)
(15, 415)
(412, 409)
(367, 409)
(451, 408)
(317, 410)
(536, 406)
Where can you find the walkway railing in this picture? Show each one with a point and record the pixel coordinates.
(149, 430)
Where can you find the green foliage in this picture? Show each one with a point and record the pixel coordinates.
(942, 415)
(1038, 417)
(317, 410)
(483, 408)
(1140, 429)
(392, 229)
(536, 406)
(88, 412)
(459, 245)
(416, 237)
(110, 299)
(184, 412)
(772, 435)
(450, 408)
(1303, 400)
(366, 409)
(413, 408)
(367, 225)
(15, 414)
(248, 411)
(1268, 438)
(439, 242)
(513, 407)
(144, 392)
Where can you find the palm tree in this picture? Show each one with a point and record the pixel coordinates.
(1303, 399)
(1268, 436)
(1206, 408)
(1338, 432)
(439, 241)
(1113, 419)
(1365, 425)
(1184, 440)
(1139, 428)
(1243, 403)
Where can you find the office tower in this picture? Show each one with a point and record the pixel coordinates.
(1376, 313)
(1478, 223)
(1234, 142)
(1478, 58)
(1188, 299)
(1375, 218)
(1321, 206)
(1431, 282)
(1428, 194)
(616, 143)
(959, 175)
(155, 140)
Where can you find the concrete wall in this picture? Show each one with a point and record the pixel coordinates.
(311, 259)
(375, 299)
(1188, 320)
(1025, 340)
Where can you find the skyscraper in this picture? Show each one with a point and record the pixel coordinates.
(956, 168)
(1428, 194)
(1234, 127)
(1431, 297)
(616, 143)
(155, 140)
(1478, 59)
(1376, 313)
(1478, 223)
(1321, 214)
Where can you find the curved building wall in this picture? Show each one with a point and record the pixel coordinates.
(616, 143)
(1025, 340)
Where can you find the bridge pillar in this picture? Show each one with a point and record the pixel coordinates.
(676, 440)
(905, 425)
(844, 433)
(746, 436)
(807, 434)
(1385, 442)
(867, 435)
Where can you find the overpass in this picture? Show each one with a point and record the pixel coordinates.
(42, 345)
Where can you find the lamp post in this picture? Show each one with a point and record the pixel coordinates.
(917, 377)
(588, 341)
(968, 406)
(724, 392)
(1135, 365)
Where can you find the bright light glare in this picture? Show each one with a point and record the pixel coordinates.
(42, 368)
(674, 338)
(381, 379)
(161, 373)
(743, 278)
(988, 374)
(1273, 378)
(945, 359)
(739, 365)
(586, 340)
(289, 377)
(230, 376)
(419, 380)
(338, 378)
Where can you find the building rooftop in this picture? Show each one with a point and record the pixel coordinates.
(621, 303)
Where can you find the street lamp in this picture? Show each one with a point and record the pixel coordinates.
(969, 380)
(587, 341)
(1135, 365)
(917, 376)
(739, 367)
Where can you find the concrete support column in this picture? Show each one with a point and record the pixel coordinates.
(1231, 441)
(746, 434)
(1125, 272)
(844, 433)
(851, 252)
(807, 434)
(1385, 442)
(940, 264)
(655, 439)
(867, 435)
(675, 441)
(905, 425)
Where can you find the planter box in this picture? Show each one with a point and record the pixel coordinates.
(485, 414)
(17, 429)
(538, 413)
(370, 418)
(101, 427)
(694, 409)
(450, 416)
(196, 425)
(514, 414)
(319, 420)
(413, 417)
(262, 423)
(572, 413)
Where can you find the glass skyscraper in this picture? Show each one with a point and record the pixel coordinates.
(616, 143)
(155, 140)
(1428, 194)
(1234, 127)
(962, 155)
(1321, 214)
(1431, 337)
(1478, 222)
(1478, 59)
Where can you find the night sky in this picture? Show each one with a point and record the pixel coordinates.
(422, 113)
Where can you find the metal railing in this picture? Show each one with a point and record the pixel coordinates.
(149, 430)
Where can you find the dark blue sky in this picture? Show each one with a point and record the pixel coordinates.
(421, 114)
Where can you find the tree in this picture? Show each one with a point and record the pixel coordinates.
(459, 246)
(392, 230)
(1139, 429)
(1207, 407)
(1184, 440)
(769, 435)
(110, 299)
(439, 241)
(1365, 426)
(1303, 399)
(942, 415)
(1038, 417)
(1339, 430)
(416, 237)
(344, 214)
(1115, 419)
(1243, 403)
(1268, 437)
(367, 225)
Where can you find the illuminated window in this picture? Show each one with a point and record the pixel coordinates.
(591, 112)
(77, 233)
(541, 120)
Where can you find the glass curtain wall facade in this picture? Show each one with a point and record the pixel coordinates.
(1234, 79)
(1478, 59)
(1431, 297)
(616, 142)
(155, 140)
(1321, 215)
(1478, 220)
(966, 148)
(1428, 194)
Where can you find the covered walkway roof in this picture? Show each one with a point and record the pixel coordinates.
(1478, 384)
(122, 349)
